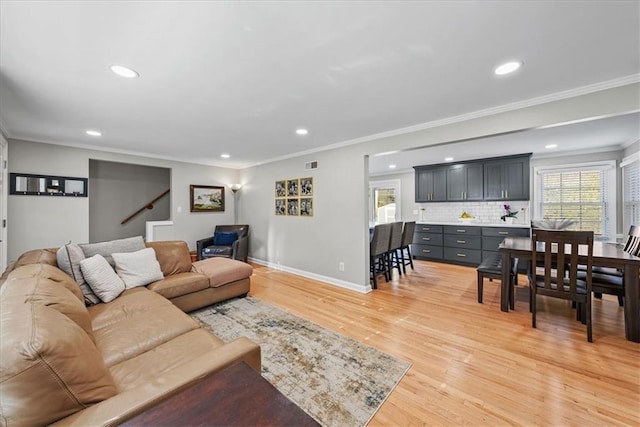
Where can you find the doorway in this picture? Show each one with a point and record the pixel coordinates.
(384, 201)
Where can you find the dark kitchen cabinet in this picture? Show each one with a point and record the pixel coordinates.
(507, 179)
(464, 182)
(431, 184)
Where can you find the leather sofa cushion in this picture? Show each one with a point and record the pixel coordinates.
(46, 285)
(180, 284)
(164, 358)
(50, 366)
(173, 256)
(36, 256)
(221, 271)
(141, 332)
(130, 303)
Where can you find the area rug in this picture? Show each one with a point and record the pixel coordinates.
(335, 379)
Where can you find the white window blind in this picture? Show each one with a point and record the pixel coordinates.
(582, 193)
(631, 190)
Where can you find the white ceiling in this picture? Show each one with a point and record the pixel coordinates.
(240, 77)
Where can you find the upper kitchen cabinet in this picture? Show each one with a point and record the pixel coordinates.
(431, 184)
(507, 178)
(464, 182)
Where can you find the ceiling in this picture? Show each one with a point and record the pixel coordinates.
(240, 77)
(599, 134)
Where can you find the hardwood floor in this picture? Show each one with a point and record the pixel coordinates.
(471, 363)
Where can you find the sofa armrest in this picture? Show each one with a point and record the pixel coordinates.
(130, 403)
(241, 248)
(201, 244)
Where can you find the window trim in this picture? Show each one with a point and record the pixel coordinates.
(609, 169)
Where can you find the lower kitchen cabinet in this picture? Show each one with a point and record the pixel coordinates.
(466, 245)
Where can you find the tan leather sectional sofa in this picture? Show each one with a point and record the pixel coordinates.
(65, 363)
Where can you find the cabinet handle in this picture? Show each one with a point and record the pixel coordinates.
(503, 232)
(461, 231)
(426, 228)
(506, 194)
(502, 194)
(426, 238)
(461, 255)
(461, 241)
(426, 251)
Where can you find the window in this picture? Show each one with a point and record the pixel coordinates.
(584, 193)
(631, 190)
(383, 196)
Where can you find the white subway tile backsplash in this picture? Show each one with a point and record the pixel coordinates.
(485, 212)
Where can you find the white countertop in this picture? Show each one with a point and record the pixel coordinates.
(475, 223)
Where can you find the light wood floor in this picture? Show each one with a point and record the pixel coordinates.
(471, 363)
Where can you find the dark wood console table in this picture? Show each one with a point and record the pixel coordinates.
(235, 396)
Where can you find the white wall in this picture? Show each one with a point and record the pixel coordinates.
(37, 221)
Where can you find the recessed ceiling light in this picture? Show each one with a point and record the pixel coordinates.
(93, 133)
(123, 71)
(448, 159)
(508, 68)
(551, 146)
(225, 156)
(392, 166)
(302, 131)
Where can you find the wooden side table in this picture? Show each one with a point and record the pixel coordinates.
(194, 256)
(235, 396)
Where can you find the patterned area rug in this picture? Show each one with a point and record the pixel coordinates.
(335, 379)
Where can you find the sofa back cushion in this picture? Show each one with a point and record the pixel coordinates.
(69, 258)
(130, 244)
(51, 367)
(46, 285)
(36, 256)
(173, 256)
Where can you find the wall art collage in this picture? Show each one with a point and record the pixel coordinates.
(294, 197)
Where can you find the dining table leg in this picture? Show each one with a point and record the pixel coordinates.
(505, 282)
(632, 302)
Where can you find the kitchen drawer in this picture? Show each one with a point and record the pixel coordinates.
(460, 241)
(467, 256)
(428, 228)
(426, 251)
(454, 229)
(428, 238)
(505, 232)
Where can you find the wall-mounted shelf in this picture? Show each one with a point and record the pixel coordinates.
(24, 184)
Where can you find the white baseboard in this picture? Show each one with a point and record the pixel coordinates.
(325, 279)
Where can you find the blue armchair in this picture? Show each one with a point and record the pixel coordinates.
(230, 241)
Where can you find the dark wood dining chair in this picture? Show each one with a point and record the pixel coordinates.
(557, 259)
(395, 242)
(378, 248)
(610, 281)
(405, 249)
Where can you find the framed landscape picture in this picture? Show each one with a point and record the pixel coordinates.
(206, 198)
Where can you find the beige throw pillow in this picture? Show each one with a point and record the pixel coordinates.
(138, 268)
(106, 284)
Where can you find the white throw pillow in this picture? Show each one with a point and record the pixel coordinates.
(138, 268)
(104, 282)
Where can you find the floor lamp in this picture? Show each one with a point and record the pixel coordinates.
(235, 188)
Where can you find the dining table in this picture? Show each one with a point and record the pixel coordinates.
(605, 254)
